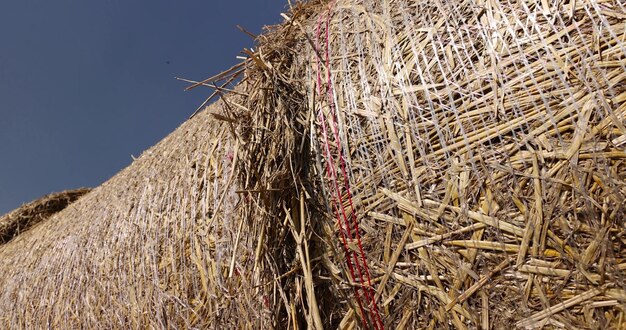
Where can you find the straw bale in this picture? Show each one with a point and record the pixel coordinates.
(28, 215)
(370, 164)
(160, 245)
(477, 145)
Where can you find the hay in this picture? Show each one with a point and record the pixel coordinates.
(379, 164)
(465, 157)
(153, 247)
(21, 219)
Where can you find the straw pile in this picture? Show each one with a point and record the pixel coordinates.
(154, 247)
(379, 164)
(28, 215)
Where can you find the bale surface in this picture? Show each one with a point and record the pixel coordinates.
(21, 219)
(465, 158)
(153, 247)
(379, 164)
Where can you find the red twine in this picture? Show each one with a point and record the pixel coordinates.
(348, 223)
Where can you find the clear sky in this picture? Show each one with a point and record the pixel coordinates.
(85, 84)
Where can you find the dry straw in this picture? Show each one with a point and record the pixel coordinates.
(479, 145)
(14, 223)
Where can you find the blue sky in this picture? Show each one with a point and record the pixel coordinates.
(86, 84)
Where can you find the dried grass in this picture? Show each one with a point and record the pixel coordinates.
(21, 219)
(483, 148)
(153, 247)
(482, 143)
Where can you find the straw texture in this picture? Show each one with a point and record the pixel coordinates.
(154, 247)
(14, 223)
(370, 164)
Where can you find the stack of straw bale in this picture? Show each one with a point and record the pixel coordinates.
(371, 164)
